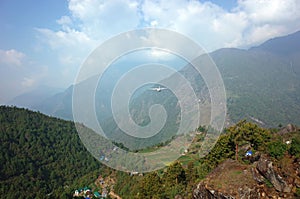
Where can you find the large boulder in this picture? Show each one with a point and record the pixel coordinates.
(288, 129)
(203, 192)
(266, 168)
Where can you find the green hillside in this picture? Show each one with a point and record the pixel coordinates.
(259, 85)
(41, 157)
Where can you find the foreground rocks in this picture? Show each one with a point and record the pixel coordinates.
(203, 192)
(266, 168)
(262, 179)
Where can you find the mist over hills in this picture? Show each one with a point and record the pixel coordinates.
(285, 46)
(34, 98)
(262, 84)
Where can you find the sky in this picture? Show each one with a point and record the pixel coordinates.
(45, 42)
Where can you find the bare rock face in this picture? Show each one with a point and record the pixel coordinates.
(289, 128)
(265, 167)
(247, 192)
(232, 180)
(202, 192)
(257, 176)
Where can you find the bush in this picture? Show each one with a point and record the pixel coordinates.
(276, 149)
(297, 192)
(295, 147)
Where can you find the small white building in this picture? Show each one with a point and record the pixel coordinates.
(76, 193)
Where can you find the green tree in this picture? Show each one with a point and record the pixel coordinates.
(246, 132)
(151, 186)
(295, 147)
(276, 149)
(174, 180)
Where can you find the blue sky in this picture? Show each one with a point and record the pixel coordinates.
(45, 42)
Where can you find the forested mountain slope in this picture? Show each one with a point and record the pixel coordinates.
(40, 155)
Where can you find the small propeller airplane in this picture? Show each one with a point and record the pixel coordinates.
(158, 89)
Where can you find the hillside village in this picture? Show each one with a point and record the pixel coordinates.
(103, 187)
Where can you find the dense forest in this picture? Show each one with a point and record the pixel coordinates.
(40, 156)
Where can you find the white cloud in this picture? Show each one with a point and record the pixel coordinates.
(102, 19)
(265, 11)
(28, 82)
(70, 47)
(93, 21)
(268, 19)
(69, 38)
(64, 20)
(250, 23)
(18, 73)
(11, 57)
(159, 53)
(90, 23)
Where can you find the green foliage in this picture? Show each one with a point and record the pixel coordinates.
(295, 147)
(175, 174)
(126, 185)
(253, 89)
(170, 183)
(268, 183)
(121, 145)
(249, 132)
(151, 186)
(276, 149)
(202, 128)
(297, 192)
(39, 155)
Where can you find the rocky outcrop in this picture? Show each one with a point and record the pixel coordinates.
(265, 167)
(229, 180)
(262, 179)
(203, 192)
(289, 128)
(247, 192)
(257, 176)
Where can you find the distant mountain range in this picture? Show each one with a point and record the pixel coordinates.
(34, 98)
(284, 46)
(262, 84)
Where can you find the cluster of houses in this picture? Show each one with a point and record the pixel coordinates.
(87, 193)
(101, 184)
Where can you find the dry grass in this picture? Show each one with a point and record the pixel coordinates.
(229, 176)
